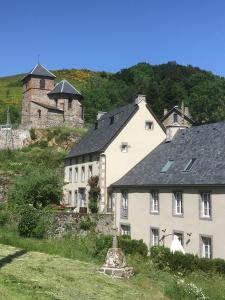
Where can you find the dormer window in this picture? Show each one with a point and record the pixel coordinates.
(175, 118)
(148, 125)
(112, 119)
(96, 125)
(167, 166)
(42, 84)
(189, 165)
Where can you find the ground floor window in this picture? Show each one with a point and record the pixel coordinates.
(154, 236)
(82, 197)
(206, 246)
(180, 236)
(125, 229)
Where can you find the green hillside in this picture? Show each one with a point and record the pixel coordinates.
(165, 85)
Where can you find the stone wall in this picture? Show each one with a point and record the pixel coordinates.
(64, 222)
(14, 138)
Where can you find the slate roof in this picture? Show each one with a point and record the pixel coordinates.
(206, 143)
(177, 110)
(41, 71)
(97, 139)
(49, 107)
(64, 87)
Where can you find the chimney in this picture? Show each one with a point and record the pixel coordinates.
(165, 111)
(100, 114)
(168, 134)
(140, 98)
(186, 111)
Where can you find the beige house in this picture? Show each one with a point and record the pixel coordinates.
(178, 188)
(115, 143)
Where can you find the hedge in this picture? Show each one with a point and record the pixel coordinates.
(179, 262)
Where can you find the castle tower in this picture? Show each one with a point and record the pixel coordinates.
(36, 86)
(68, 99)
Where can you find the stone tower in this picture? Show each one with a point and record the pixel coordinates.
(36, 86)
(67, 98)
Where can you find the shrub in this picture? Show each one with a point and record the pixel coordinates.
(33, 135)
(42, 226)
(94, 194)
(86, 224)
(163, 258)
(133, 247)
(29, 218)
(4, 216)
(103, 243)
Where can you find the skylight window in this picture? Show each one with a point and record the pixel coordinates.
(189, 165)
(167, 166)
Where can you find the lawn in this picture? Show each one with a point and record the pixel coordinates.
(35, 275)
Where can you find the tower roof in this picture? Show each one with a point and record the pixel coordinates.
(40, 71)
(64, 87)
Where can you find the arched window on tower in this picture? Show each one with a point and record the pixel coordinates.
(42, 84)
(39, 113)
(69, 103)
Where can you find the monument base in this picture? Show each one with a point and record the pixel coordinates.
(126, 272)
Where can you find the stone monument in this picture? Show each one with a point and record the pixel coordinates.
(115, 263)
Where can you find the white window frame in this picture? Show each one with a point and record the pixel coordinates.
(149, 125)
(70, 174)
(154, 202)
(205, 205)
(206, 246)
(83, 174)
(178, 209)
(124, 147)
(90, 171)
(76, 174)
(180, 235)
(124, 205)
(154, 236)
(125, 229)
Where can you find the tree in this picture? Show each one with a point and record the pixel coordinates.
(38, 188)
(94, 194)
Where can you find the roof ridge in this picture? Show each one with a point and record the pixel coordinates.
(72, 86)
(47, 70)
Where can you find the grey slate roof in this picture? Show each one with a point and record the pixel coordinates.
(177, 110)
(206, 143)
(41, 71)
(64, 87)
(96, 139)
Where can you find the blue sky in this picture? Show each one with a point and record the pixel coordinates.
(111, 34)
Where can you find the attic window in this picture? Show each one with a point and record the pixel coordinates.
(112, 119)
(148, 125)
(167, 166)
(175, 118)
(189, 165)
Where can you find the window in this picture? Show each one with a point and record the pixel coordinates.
(205, 205)
(82, 174)
(125, 229)
(42, 84)
(89, 171)
(148, 125)
(154, 237)
(154, 202)
(111, 120)
(206, 246)
(124, 147)
(178, 203)
(180, 236)
(39, 113)
(76, 175)
(82, 196)
(70, 174)
(69, 197)
(189, 165)
(69, 104)
(175, 118)
(124, 205)
(166, 167)
(75, 198)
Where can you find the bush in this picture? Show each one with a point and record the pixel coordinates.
(29, 218)
(133, 247)
(163, 258)
(42, 226)
(94, 194)
(86, 224)
(33, 135)
(103, 243)
(4, 216)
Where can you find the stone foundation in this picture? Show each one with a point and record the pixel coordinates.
(126, 272)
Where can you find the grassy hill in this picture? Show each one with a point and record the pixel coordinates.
(165, 85)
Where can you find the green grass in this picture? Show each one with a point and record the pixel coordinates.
(37, 275)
